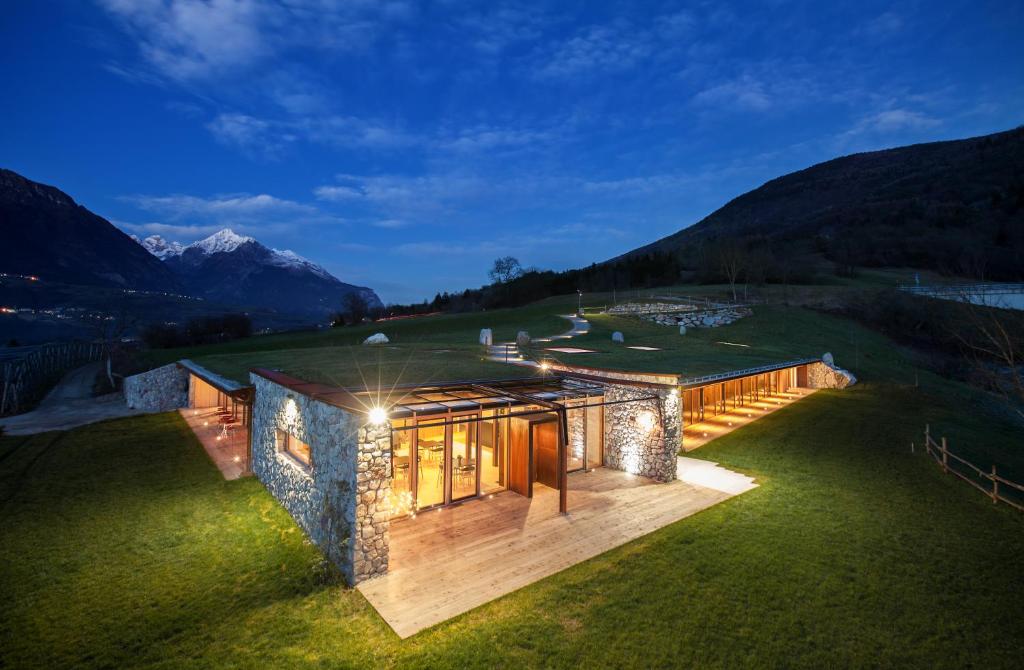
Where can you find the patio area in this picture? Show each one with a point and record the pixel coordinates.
(445, 562)
(222, 436)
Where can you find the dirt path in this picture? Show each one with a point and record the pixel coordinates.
(70, 404)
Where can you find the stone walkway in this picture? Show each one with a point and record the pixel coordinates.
(508, 352)
(69, 405)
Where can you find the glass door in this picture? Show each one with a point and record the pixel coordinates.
(430, 465)
(464, 459)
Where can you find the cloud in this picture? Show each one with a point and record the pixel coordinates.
(892, 121)
(883, 25)
(234, 205)
(254, 137)
(744, 92)
(597, 48)
(185, 39)
(202, 40)
(168, 230)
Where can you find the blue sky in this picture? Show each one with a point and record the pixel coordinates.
(405, 145)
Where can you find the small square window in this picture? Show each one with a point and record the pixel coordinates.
(294, 447)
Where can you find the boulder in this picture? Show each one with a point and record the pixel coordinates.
(682, 329)
(376, 338)
(617, 337)
(709, 322)
(486, 337)
(828, 359)
(522, 339)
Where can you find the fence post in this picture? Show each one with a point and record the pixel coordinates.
(927, 439)
(945, 457)
(995, 486)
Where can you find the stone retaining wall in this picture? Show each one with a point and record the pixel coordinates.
(341, 499)
(712, 318)
(160, 390)
(650, 308)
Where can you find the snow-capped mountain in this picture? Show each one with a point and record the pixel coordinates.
(237, 269)
(160, 247)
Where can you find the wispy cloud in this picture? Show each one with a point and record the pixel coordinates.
(600, 48)
(180, 206)
(192, 40)
(180, 233)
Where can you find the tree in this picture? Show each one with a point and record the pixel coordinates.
(731, 258)
(356, 307)
(992, 340)
(505, 270)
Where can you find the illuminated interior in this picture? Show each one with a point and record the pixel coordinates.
(713, 410)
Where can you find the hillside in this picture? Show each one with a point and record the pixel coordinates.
(955, 207)
(45, 233)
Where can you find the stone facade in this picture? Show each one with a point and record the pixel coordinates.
(160, 390)
(341, 499)
(643, 437)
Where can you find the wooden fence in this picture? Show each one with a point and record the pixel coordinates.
(988, 482)
(27, 377)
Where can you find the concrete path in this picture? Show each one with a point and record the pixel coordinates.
(70, 404)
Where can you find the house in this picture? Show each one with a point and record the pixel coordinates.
(349, 463)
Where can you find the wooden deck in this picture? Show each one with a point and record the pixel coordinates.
(228, 449)
(448, 561)
(698, 434)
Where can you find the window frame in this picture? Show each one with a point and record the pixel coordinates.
(283, 442)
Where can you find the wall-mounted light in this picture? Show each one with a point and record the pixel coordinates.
(377, 416)
(646, 420)
(545, 366)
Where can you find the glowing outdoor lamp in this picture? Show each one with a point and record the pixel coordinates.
(377, 416)
(646, 420)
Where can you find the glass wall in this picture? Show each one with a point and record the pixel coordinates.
(493, 433)
(401, 501)
(430, 471)
(464, 461)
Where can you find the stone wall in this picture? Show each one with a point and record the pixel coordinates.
(341, 499)
(826, 375)
(160, 390)
(706, 318)
(650, 308)
(643, 437)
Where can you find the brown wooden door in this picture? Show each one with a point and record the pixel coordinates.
(544, 440)
(519, 457)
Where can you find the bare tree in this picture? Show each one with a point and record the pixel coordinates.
(992, 340)
(731, 259)
(356, 307)
(505, 270)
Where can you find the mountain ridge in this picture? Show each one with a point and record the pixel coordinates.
(922, 205)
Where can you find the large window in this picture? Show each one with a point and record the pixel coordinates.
(430, 453)
(293, 447)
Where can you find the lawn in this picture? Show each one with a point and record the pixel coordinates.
(121, 546)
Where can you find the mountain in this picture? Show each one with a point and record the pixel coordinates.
(43, 232)
(160, 247)
(235, 269)
(954, 206)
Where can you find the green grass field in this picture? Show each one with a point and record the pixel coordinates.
(120, 544)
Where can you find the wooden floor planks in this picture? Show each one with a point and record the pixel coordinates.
(446, 562)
